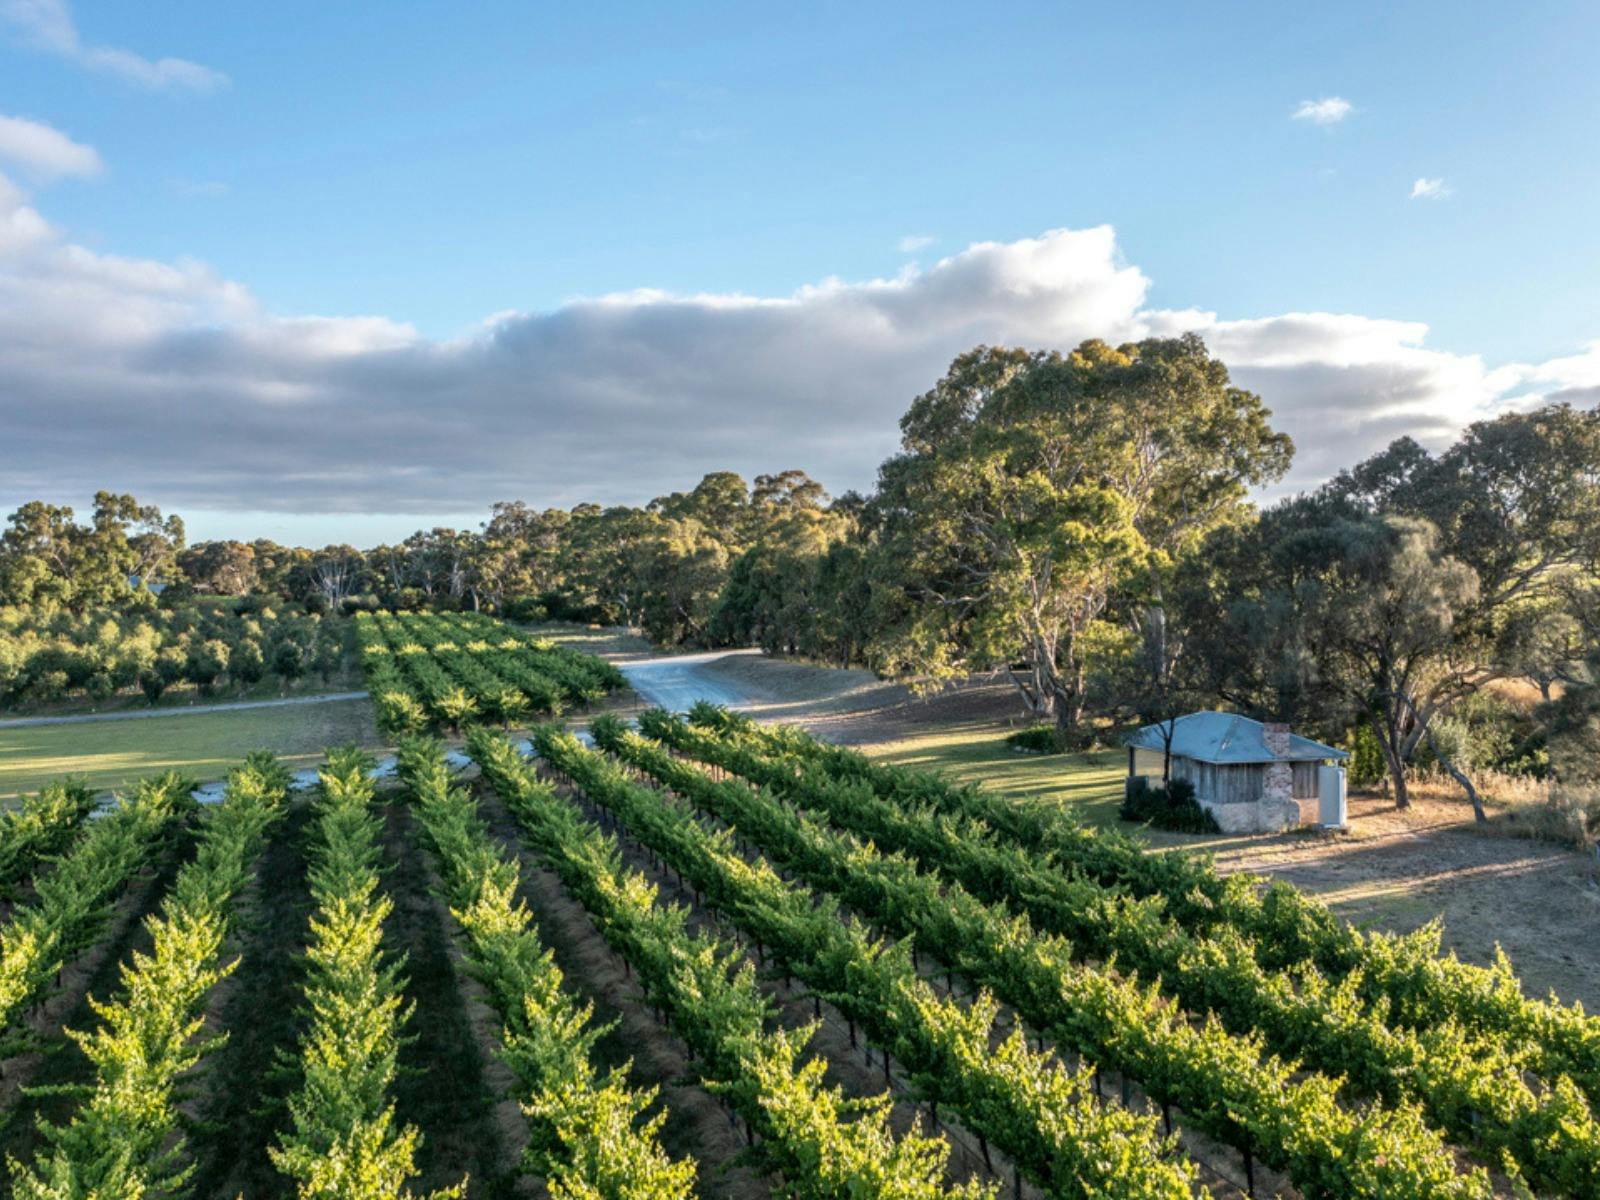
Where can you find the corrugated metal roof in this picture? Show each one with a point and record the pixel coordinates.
(1217, 737)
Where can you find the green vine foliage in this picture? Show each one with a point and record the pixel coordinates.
(447, 670)
(124, 1140)
(1421, 986)
(1027, 1103)
(589, 1134)
(343, 1143)
(73, 898)
(40, 827)
(825, 1146)
(1222, 1082)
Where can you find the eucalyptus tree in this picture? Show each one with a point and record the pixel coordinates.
(1033, 486)
(1410, 581)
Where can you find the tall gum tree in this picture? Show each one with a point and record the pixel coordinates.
(1033, 485)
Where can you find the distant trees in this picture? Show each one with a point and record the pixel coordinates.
(49, 558)
(1080, 522)
(49, 655)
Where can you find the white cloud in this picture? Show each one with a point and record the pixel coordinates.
(44, 152)
(47, 26)
(1429, 189)
(912, 242)
(168, 381)
(1330, 110)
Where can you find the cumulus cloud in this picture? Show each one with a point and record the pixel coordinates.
(912, 242)
(1429, 189)
(1574, 378)
(1330, 110)
(44, 152)
(166, 380)
(47, 26)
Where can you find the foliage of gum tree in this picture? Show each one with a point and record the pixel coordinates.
(48, 557)
(1032, 486)
(1516, 499)
(1409, 582)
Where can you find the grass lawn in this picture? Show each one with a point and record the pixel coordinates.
(976, 752)
(110, 754)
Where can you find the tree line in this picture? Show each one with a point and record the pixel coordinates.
(1080, 522)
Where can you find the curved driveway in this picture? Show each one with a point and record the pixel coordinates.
(677, 682)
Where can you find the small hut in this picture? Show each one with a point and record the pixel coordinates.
(1250, 775)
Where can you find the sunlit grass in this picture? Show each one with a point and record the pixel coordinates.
(976, 752)
(112, 754)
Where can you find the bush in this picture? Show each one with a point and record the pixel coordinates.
(524, 608)
(1366, 767)
(289, 660)
(1036, 739)
(247, 663)
(1173, 807)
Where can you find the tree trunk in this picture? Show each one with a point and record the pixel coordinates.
(1397, 772)
(1455, 772)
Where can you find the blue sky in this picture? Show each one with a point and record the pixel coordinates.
(435, 164)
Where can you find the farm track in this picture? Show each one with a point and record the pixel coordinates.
(191, 710)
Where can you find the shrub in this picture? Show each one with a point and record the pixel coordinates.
(152, 684)
(1172, 807)
(1366, 766)
(247, 663)
(289, 660)
(1036, 739)
(524, 608)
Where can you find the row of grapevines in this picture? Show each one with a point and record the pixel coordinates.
(585, 677)
(414, 690)
(587, 1139)
(41, 826)
(1027, 1103)
(502, 684)
(825, 1146)
(428, 670)
(1226, 1085)
(344, 1144)
(1471, 1087)
(121, 1141)
(1409, 974)
(72, 900)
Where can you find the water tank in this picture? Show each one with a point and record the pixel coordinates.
(1332, 811)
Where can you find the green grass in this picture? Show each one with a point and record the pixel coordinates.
(111, 754)
(976, 752)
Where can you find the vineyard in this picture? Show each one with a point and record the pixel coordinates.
(446, 670)
(697, 956)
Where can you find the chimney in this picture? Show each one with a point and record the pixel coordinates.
(1279, 809)
(1276, 735)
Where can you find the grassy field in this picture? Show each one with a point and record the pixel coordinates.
(975, 752)
(206, 745)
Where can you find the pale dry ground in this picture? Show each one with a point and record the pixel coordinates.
(1393, 870)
